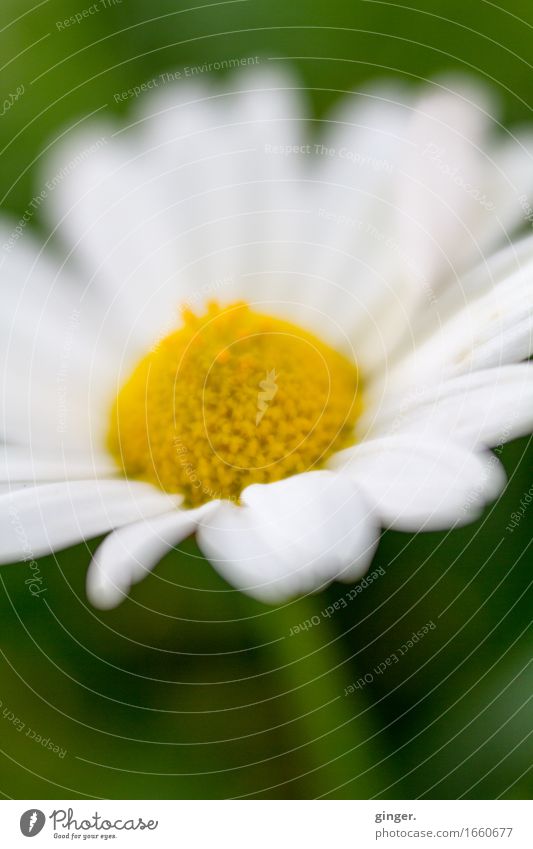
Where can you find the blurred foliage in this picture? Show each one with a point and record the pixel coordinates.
(190, 689)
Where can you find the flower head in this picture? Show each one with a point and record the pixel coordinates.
(281, 345)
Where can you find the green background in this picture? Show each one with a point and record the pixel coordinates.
(189, 689)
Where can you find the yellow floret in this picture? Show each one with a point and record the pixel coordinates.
(232, 398)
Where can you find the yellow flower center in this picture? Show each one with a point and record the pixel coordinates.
(232, 398)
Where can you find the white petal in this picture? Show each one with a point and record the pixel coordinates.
(291, 537)
(508, 177)
(186, 203)
(22, 465)
(354, 216)
(422, 484)
(392, 212)
(237, 197)
(444, 176)
(355, 169)
(112, 218)
(56, 364)
(493, 325)
(482, 409)
(37, 520)
(127, 555)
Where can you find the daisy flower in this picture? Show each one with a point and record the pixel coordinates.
(279, 334)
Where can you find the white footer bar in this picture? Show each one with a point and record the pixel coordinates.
(267, 824)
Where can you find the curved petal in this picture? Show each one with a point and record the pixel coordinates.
(417, 483)
(21, 465)
(509, 183)
(481, 409)
(491, 327)
(445, 176)
(127, 555)
(291, 537)
(113, 221)
(57, 364)
(37, 520)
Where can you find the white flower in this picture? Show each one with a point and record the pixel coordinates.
(370, 236)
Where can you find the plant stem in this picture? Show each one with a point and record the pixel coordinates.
(333, 746)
